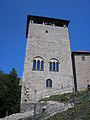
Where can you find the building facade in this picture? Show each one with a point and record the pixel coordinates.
(81, 70)
(48, 65)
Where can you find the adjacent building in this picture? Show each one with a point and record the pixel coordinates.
(81, 70)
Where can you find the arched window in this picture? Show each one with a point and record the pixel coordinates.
(38, 65)
(50, 66)
(34, 64)
(53, 66)
(42, 65)
(57, 66)
(49, 83)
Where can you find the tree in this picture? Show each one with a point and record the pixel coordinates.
(9, 93)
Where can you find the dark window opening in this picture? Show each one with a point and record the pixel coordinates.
(42, 65)
(83, 58)
(57, 66)
(49, 83)
(53, 66)
(38, 65)
(34, 64)
(46, 31)
(50, 66)
(37, 21)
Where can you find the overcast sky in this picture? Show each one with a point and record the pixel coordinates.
(13, 18)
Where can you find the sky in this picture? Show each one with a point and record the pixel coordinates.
(13, 20)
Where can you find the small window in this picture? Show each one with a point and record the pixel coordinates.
(53, 66)
(42, 65)
(34, 64)
(49, 83)
(38, 65)
(57, 66)
(83, 58)
(50, 66)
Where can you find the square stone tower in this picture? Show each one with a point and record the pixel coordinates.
(47, 66)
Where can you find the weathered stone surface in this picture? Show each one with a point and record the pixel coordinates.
(82, 71)
(18, 116)
(54, 44)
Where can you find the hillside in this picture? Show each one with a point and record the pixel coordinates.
(59, 107)
(81, 111)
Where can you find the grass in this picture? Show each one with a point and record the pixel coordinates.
(64, 97)
(61, 98)
(80, 112)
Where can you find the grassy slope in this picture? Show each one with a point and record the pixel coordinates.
(80, 112)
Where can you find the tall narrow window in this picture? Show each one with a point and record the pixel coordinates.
(50, 66)
(53, 66)
(38, 65)
(57, 66)
(42, 65)
(83, 58)
(49, 83)
(34, 64)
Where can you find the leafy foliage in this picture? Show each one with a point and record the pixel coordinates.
(9, 93)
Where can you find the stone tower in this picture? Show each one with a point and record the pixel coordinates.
(47, 66)
(81, 69)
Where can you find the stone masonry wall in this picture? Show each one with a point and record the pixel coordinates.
(82, 71)
(54, 44)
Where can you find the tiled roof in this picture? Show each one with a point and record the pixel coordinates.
(81, 51)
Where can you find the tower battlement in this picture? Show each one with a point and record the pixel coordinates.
(46, 21)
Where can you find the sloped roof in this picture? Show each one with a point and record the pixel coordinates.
(80, 52)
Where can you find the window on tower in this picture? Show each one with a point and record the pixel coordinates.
(34, 64)
(50, 66)
(49, 83)
(42, 65)
(38, 63)
(54, 65)
(57, 66)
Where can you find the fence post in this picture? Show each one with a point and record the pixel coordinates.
(74, 101)
(34, 117)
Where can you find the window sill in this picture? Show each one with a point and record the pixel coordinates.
(36, 70)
